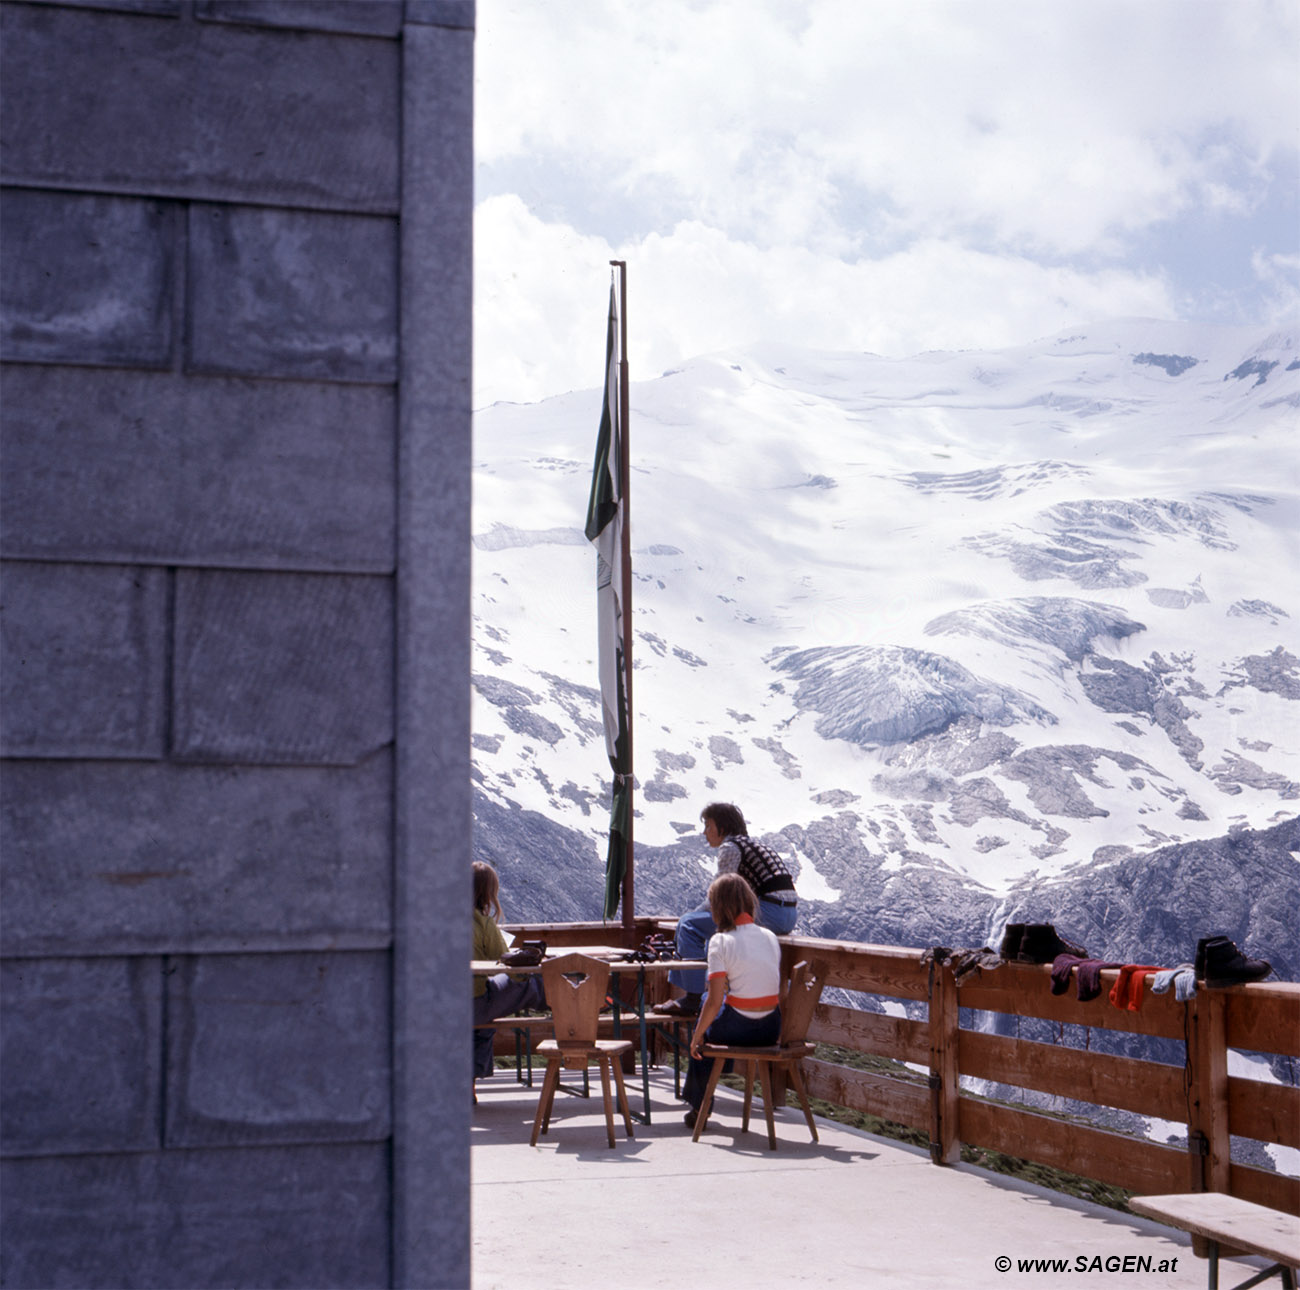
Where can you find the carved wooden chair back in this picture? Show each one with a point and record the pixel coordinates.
(576, 986)
(800, 1002)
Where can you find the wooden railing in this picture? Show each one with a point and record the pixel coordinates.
(1199, 1093)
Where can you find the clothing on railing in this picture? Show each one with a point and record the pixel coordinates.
(1182, 978)
(1126, 993)
(1089, 975)
(964, 963)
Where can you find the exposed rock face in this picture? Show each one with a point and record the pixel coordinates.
(1120, 687)
(1245, 887)
(1078, 540)
(1257, 367)
(1274, 673)
(542, 865)
(1259, 609)
(1235, 771)
(1052, 776)
(1173, 364)
(1093, 566)
(996, 481)
(873, 695)
(724, 750)
(1075, 628)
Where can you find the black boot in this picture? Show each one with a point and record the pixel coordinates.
(1226, 965)
(1011, 939)
(1041, 944)
(1201, 947)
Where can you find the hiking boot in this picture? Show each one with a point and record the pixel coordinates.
(687, 1006)
(1198, 966)
(1041, 944)
(1011, 939)
(1226, 965)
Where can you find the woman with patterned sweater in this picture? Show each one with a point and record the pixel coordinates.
(767, 875)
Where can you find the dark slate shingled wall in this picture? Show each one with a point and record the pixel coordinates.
(234, 632)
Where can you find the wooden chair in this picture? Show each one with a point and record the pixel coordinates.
(575, 991)
(797, 1007)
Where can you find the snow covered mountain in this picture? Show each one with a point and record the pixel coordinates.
(979, 635)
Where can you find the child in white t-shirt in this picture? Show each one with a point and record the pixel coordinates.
(744, 978)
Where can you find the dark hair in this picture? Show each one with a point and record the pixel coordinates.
(728, 818)
(486, 887)
(730, 896)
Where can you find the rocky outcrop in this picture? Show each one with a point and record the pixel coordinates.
(1153, 908)
(1074, 628)
(873, 695)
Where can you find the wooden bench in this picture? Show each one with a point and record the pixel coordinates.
(1236, 1224)
(523, 1027)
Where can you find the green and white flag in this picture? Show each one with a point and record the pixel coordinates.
(605, 519)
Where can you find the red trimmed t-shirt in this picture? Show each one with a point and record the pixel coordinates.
(749, 956)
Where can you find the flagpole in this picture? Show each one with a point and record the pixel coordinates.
(624, 488)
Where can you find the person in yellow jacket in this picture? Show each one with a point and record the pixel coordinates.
(499, 995)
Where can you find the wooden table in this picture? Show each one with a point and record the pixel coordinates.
(1238, 1224)
(613, 955)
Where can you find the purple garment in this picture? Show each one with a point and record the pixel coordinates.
(1062, 966)
(1089, 974)
(1090, 977)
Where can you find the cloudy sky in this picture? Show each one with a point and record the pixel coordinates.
(882, 175)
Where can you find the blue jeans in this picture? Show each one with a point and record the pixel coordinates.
(501, 998)
(729, 1027)
(777, 918)
(695, 928)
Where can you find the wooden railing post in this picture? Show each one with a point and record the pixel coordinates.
(1207, 1099)
(945, 1146)
(1209, 1146)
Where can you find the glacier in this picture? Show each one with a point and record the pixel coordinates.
(970, 636)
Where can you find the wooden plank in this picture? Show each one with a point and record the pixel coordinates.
(1147, 1088)
(1269, 1112)
(542, 928)
(1264, 1018)
(1229, 1220)
(1264, 1188)
(890, 1099)
(1207, 1090)
(1025, 990)
(1092, 1153)
(945, 1088)
(898, 1038)
(870, 969)
(561, 935)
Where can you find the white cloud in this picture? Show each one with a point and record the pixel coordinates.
(540, 306)
(1056, 125)
(891, 175)
(1280, 275)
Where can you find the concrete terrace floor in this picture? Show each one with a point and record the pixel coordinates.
(853, 1210)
